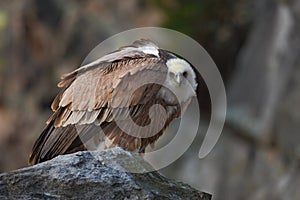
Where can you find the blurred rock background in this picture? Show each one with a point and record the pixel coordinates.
(255, 44)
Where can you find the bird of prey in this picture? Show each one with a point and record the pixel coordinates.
(122, 85)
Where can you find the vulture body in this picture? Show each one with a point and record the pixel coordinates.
(112, 102)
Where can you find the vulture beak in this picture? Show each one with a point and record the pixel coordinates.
(179, 78)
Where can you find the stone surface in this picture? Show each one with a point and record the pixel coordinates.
(93, 175)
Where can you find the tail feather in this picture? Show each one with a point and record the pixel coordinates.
(63, 140)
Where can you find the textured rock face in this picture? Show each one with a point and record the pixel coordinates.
(93, 175)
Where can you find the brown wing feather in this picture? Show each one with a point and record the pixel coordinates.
(118, 137)
(91, 98)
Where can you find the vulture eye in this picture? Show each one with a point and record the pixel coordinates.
(185, 74)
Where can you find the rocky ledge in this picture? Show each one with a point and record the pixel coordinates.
(93, 175)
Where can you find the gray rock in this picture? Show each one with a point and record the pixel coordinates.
(93, 175)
